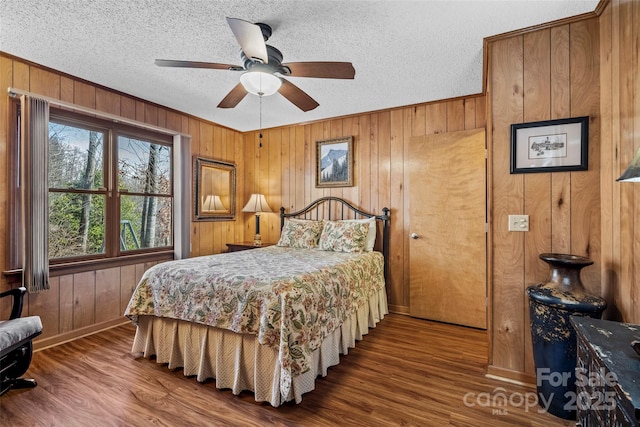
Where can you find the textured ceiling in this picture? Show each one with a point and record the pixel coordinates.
(404, 52)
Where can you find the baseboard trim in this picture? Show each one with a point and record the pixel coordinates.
(56, 340)
(398, 309)
(511, 376)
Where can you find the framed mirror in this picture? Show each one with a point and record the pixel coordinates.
(214, 190)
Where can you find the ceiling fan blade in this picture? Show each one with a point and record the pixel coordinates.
(232, 99)
(325, 70)
(249, 38)
(195, 64)
(297, 96)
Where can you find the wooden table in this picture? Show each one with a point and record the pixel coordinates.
(243, 246)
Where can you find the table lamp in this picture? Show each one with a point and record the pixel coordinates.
(257, 204)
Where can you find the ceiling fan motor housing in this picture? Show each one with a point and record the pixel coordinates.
(273, 66)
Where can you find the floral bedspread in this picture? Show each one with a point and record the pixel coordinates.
(290, 298)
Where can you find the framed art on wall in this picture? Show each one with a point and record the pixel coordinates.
(334, 162)
(550, 145)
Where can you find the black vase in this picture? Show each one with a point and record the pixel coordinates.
(551, 304)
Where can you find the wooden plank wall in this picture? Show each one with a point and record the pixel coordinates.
(540, 75)
(620, 111)
(83, 302)
(589, 67)
(284, 169)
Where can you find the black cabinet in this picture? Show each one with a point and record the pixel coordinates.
(607, 373)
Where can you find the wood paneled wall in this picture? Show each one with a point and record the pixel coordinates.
(587, 67)
(540, 75)
(284, 169)
(620, 112)
(84, 302)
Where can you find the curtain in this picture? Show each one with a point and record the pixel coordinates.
(34, 192)
(182, 196)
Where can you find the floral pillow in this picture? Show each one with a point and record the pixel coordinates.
(343, 236)
(299, 233)
(371, 236)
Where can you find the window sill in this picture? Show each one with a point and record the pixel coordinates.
(99, 264)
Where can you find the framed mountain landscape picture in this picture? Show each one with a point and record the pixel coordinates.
(334, 162)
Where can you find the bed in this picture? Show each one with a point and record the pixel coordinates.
(269, 320)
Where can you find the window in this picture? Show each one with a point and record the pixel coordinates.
(144, 187)
(77, 189)
(110, 189)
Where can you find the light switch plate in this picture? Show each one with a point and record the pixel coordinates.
(518, 222)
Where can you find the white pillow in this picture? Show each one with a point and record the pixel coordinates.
(371, 235)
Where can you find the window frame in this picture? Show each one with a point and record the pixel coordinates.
(133, 133)
(113, 256)
(108, 219)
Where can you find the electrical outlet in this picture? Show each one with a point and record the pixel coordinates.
(518, 222)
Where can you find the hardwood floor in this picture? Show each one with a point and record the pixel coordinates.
(406, 372)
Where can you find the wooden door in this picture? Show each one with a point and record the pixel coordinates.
(447, 236)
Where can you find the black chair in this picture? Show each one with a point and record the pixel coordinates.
(16, 348)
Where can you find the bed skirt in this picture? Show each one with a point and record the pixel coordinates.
(238, 362)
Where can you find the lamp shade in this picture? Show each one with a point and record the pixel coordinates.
(260, 83)
(257, 203)
(213, 204)
(632, 173)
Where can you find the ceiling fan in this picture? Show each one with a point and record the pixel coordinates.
(263, 68)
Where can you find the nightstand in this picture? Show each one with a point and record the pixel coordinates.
(243, 246)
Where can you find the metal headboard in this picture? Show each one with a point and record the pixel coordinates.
(323, 208)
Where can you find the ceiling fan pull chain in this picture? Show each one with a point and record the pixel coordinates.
(260, 132)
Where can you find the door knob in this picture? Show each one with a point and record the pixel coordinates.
(415, 236)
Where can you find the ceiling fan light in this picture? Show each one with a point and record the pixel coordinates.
(260, 83)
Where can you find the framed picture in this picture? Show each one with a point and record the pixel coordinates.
(550, 146)
(334, 162)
